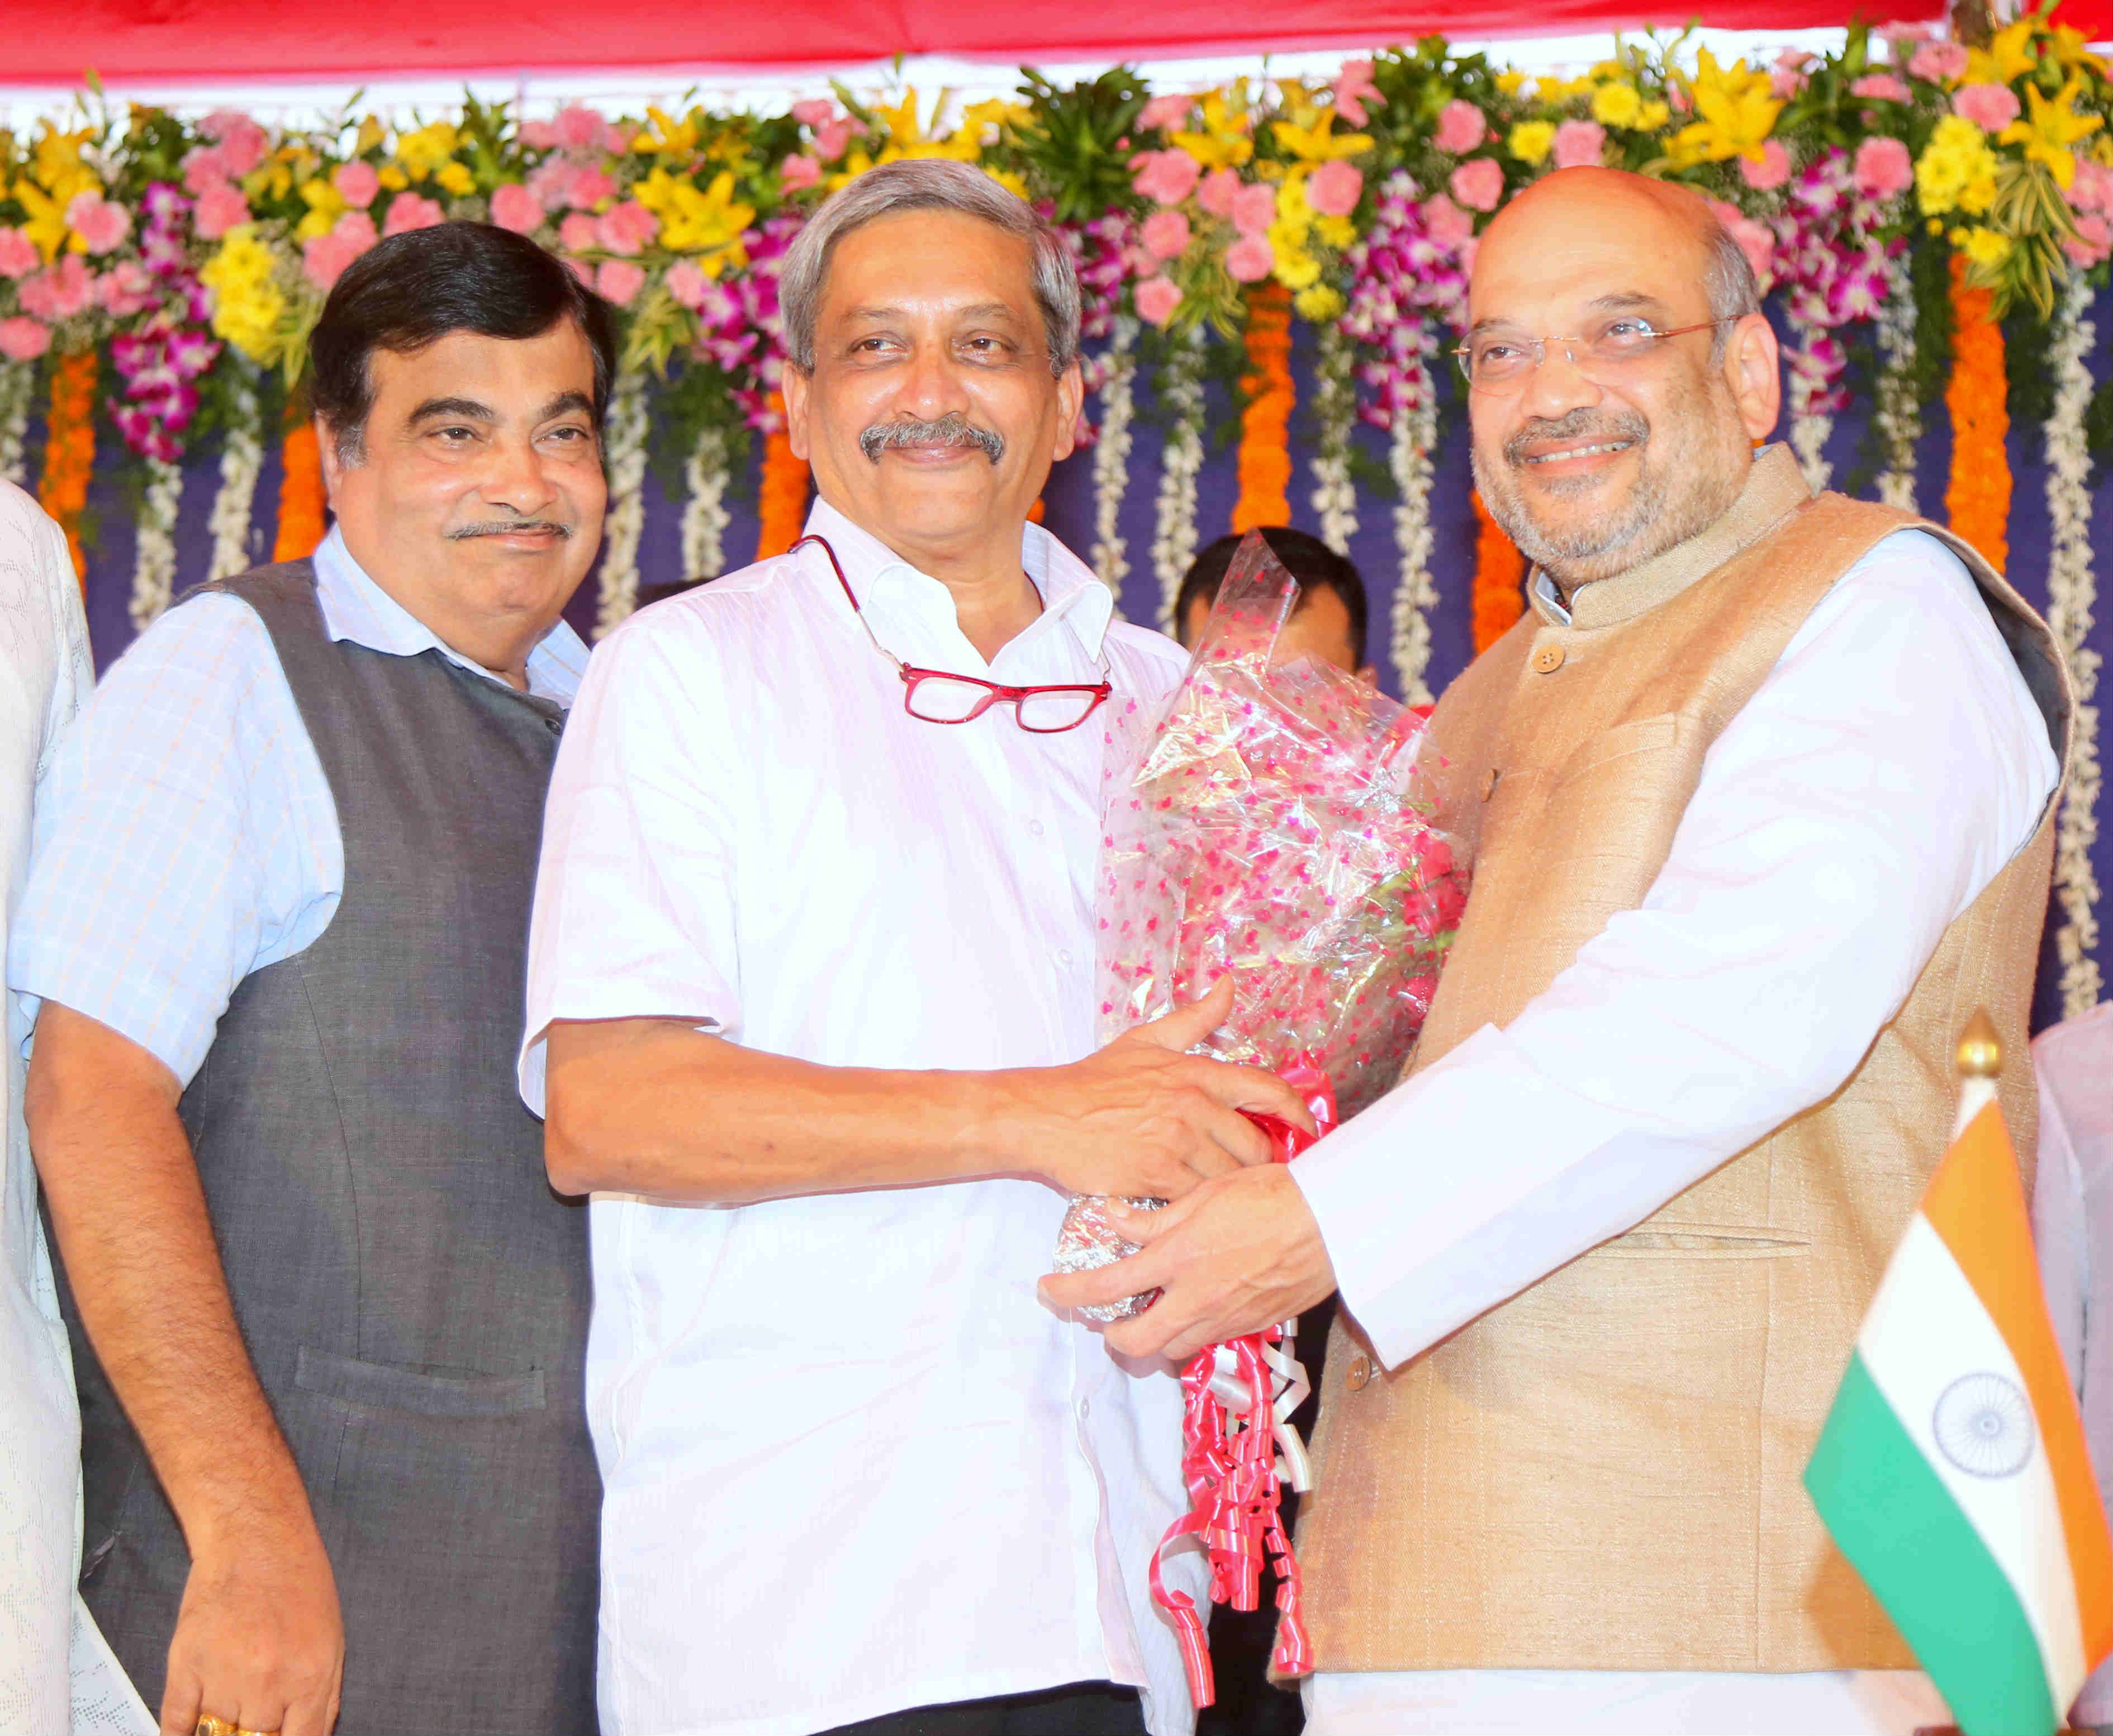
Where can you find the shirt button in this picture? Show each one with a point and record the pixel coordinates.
(1064, 958)
(1085, 1407)
(1548, 659)
(1361, 1372)
(1035, 827)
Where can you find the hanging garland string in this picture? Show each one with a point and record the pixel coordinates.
(1415, 432)
(70, 448)
(301, 499)
(704, 517)
(1174, 535)
(782, 495)
(241, 461)
(1335, 496)
(625, 524)
(2072, 595)
(1976, 499)
(18, 385)
(1111, 453)
(1898, 410)
(1264, 465)
(1499, 597)
(1809, 428)
(154, 554)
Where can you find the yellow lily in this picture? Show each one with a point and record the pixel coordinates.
(47, 226)
(1224, 143)
(1317, 144)
(707, 222)
(2053, 128)
(2009, 54)
(325, 205)
(1735, 110)
(666, 136)
(423, 151)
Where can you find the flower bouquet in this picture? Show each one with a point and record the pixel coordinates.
(1274, 827)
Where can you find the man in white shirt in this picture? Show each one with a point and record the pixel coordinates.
(810, 985)
(1751, 762)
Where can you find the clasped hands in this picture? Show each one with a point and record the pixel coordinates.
(1236, 1249)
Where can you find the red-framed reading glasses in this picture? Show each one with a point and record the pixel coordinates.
(936, 696)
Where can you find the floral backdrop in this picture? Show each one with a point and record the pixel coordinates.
(1273, 269)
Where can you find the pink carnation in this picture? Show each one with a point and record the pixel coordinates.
(1992, 108)
(1165, 235)
(125, 289)
(591, 188)
(627, 228)
(552, 181)
(2092, 243)
(582, 270)
(1881, 87)
(1165, 177)
(576, 233)
(1254, 209)
(1479, 185)
(101, 223)
(1755, 241)
(1218, 190)
(2092, 188)
(18, 254)
(540, 136)
(831, 141)
(410, 211)
(1940, 62)
(815, 112)
(1353, 84)
(1156, 299)
(220, 208)
(619, 282)
(1770, 172)
(1165, 112)
(1334, 189)
(59, 291)
(798, 172)
(24, 339)
(204, 165)
(1460, 128)
(357, 183)
(513, 207)
(1884, 167)
(1580, 144)
(582, 129)
(1449, 225)
(688, 284)
(243, 143)
(325, 257)
(1249, 260)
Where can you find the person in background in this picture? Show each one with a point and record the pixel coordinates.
(2073, 1226)
(1330, 621)
(329, 1319)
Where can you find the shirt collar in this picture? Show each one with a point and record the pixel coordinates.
(887, 584)
(355, 608)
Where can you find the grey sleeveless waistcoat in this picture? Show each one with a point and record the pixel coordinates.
(412, 1295)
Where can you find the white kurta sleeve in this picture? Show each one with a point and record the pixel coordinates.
(1882, 775)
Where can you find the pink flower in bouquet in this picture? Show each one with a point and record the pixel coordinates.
(101, 223)
(1884, 167)
(1478, 184)
(1582, 144)
(1460, 128)
(410, 211)
(2091, 188)
(582, 270)
(2092, 243)
(578, 233)
(1787, 76)
(1940, 62)
(813, 111)
(1756, 242)
(59, 291)
(1881, 87)
(1254, 209)
(325, 257)
(1249, 259)
(1156, 299)
(1165, 235)
(204, 165)
(1770, 172)
(1164, 114)
(1992, 108)
(1353, 84)
(627, 228)
(18, 254)
(591, 189)
(540, 136)
(1334, 187)
(1218, 190)
(580, 128)
(687, 284)
(24, 340)
(356, 183)
(552, 181)
(1165, 177)
(1449, 226)
(127, 288)
(220, 207)
(242, 142)
(833, 140)
(797, 173)
(513, 207)
(619, 282)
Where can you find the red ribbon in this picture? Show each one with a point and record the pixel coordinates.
(1229, 1464)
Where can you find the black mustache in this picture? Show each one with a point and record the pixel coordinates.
(952, 429)
(1579, 424)
(507, 528)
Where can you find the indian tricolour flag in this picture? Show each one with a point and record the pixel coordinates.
(1952, 1470)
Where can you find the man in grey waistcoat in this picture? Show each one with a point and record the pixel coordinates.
(328, 1315)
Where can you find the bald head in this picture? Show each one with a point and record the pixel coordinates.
(1634, 427)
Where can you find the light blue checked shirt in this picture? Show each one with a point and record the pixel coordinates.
(185, 834)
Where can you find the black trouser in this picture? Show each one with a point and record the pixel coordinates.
(1083, 1709)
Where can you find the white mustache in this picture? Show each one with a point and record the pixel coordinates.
(952, 429)
(507, 528)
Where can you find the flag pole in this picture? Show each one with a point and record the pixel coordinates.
(1980, 1062)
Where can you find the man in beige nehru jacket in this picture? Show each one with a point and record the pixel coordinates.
(1761, 784)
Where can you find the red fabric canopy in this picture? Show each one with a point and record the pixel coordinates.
(134, 40)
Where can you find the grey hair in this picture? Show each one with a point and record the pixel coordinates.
(1729, 282)
(926, 183)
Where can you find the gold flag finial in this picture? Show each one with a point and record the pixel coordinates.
(1980, 1050)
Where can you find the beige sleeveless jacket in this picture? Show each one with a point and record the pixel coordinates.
(1603, 1473)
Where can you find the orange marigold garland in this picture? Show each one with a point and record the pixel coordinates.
(783, 505)
(301, 498)
(1978, 497)
(70, 448)
(1264, 456)
(1500, 579)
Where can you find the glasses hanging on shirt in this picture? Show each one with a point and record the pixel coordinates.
(936, 696)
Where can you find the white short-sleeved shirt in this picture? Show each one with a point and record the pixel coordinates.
(851, 1464)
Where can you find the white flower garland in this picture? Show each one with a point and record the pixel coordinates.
(627, 513)
(1112, 455)
(1896, 412)
(1334, 411)
(155, 555)
(2072, 593)
(705, 516)
(1808, 432)
(241, 462)
(1415, 433)
(1174, 541)
(18, 382)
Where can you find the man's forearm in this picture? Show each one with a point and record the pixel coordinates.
(130, 1217)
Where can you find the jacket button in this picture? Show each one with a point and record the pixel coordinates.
(1361, 1372)
(1548, 659)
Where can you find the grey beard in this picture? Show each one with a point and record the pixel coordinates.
(952, 429)
(1560, 552)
